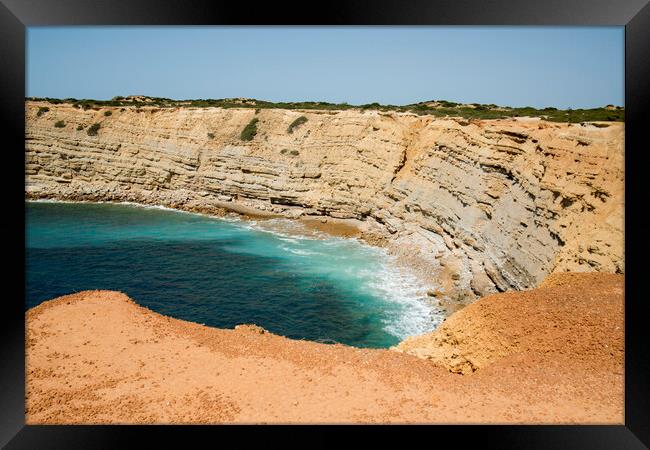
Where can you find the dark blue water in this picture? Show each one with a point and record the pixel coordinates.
(224, 272)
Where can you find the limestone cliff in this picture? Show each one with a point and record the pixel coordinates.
(481, 205)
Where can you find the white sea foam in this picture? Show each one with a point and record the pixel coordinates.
(297, 251)
(288, 239)
(413, 314)
(408, 311)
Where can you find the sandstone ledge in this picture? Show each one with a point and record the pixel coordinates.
(550, 355)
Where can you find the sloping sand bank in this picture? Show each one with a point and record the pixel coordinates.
(551, 355)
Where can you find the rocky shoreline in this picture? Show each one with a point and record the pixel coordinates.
(327, 225)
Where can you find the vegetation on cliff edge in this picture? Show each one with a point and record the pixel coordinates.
(437, 108)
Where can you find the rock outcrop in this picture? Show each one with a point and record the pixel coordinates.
(574, 316)
(480, 206)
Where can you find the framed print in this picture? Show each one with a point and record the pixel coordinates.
(381, 214)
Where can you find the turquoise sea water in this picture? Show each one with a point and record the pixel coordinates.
(224, 272)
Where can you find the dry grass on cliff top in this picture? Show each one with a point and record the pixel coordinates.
(551, 355)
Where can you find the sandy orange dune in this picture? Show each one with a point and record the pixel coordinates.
(550, 355)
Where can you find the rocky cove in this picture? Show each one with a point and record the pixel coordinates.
(479, 206)
(474, 207)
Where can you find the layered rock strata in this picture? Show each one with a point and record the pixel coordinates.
(477, 206)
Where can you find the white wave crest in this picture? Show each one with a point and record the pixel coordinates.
(413, 313)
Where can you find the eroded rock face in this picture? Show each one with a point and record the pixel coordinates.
(479, 206)
(578, 315)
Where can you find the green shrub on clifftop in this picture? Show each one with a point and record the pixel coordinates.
(42, 110)
(249, 131)
(60, 124)
(108, 113)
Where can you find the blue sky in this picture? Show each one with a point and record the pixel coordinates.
(564, 67)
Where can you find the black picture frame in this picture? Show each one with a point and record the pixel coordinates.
(16, 15)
